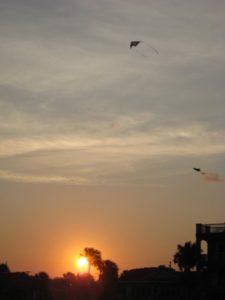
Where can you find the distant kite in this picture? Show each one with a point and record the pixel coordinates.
(134, 43)
(141, 52)
(199, 170)
(210, 176)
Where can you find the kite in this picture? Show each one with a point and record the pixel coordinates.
(210, 176)
(199, 170)
(136, 43)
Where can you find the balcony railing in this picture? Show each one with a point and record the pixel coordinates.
(210, 228)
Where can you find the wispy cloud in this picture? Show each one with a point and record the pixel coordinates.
(92, 157)
(32, 178)
(128, 138)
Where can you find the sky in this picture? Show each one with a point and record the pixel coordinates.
(97, 140)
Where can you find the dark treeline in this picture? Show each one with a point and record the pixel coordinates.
(199, 278)
(23, 286)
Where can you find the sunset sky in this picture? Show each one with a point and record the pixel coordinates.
(97, 140)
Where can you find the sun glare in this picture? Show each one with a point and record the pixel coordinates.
(82, 264)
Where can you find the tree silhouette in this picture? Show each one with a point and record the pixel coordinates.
(42, 276)
(42, 286)
(109, 271)
(94, 258)
(185, 257)
(69, 278)
(4, 268)
(108, 280)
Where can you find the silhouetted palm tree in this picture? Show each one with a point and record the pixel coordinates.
(94, 258)
(185, 257)
(109, 271)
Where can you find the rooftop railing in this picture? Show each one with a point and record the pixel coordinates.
(210, 228)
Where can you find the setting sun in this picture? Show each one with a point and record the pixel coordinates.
(82, 264)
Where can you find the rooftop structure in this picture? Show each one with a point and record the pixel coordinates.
(214, 236)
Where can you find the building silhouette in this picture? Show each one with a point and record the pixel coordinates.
(150, 283)
(214, 236)
(207, 282)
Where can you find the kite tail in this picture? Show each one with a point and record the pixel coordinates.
(154, 49)
(141, 54)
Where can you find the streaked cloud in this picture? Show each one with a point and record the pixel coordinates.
(91, 157)
(30, 178)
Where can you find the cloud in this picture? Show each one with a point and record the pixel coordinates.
(128, 136)
(32, 178)
(98, 157)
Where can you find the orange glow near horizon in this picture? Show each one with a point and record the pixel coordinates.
(82, 264)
